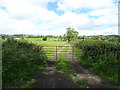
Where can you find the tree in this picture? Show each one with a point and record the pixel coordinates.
(3, 37)
(71, 34)
(44, 38)
(64, 37)
(60, 38)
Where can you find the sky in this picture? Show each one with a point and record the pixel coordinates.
(52, 17)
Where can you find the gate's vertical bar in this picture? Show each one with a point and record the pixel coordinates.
(56, 53)
(1, 65)
(73, 53)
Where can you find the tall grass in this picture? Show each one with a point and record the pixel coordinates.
(20, 60)
(101, 57)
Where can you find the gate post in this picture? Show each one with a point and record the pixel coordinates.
(73, 52)
(56, 53)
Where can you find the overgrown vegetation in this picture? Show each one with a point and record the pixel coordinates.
(101, 57)
(20, 60)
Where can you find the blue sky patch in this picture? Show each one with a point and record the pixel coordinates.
(4, 8)
(52, 6)
(94, 16)
(83, 10)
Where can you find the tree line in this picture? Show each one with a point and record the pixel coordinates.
(70, 34)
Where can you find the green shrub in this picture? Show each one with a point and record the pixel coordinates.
(20, 60)
(45, 39)
(93, 49)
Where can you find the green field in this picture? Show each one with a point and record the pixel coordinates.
(49, 42)
(49, 46)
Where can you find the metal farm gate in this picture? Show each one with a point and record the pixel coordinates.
(53, 52)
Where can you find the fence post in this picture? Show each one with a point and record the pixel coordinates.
(56, 53)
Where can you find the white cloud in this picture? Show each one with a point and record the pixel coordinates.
(41, 3)
(70, 19)
(105, 9)
(33, 17)
(106, 31)
(23, 16)
(91, 4)
(23, 9)
(106, 20)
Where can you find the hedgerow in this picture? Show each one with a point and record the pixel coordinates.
(101, 57)
(20, 60)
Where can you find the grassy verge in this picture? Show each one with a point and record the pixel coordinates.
(62, 63)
